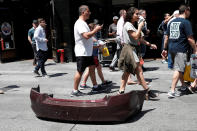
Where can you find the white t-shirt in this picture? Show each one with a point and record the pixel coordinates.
(83, 47)
(120, 25)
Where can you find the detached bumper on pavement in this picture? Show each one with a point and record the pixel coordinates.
(110, 108)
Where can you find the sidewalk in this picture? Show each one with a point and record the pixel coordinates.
(161, 114)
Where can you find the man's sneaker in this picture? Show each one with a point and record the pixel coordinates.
(36, 73)
(77, 93)
(98, 89)
(83, 86)
(45, 75)
(164, 62)
(111, 68)
(173, 94)
(106, 83)
(192, 89)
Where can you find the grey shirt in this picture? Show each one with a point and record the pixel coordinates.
(113, 28)
(126, 37)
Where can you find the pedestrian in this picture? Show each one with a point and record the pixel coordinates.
(174, 16)
(83, 50)
(32, 40)
(96, 46)
(112, 34)
(180, 38)
(41, 47)
(146, 31)
(129, 60)
(163, 27)
(113, 28)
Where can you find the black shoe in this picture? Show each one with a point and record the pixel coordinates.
(36, 73)
(106, 83)
(111, 68)
(98, 89)
(151, 94)
(78, 93)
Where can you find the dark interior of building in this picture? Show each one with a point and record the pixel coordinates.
(22, 12)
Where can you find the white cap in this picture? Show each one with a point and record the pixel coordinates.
(115, 18)
(176, 12)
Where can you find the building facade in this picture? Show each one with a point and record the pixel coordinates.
(61, 15)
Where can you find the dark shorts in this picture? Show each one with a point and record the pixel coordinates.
(83, 62)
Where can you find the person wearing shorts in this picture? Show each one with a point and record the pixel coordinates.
(180, 38)
(96, 46)
(83, 49)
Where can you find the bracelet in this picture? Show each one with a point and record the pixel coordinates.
(165, 49)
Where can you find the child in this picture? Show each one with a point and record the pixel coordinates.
(96, 62)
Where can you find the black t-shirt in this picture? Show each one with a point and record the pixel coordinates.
(178, 31)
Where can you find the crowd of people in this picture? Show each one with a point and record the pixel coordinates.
(130, 32)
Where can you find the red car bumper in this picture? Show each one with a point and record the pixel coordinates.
(110, 108)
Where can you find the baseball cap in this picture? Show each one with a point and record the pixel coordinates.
(115, 18)
(35, 21)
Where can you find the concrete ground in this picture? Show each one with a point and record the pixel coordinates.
(160, 114)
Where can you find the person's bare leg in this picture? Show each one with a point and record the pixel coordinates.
(100, 73)
(175, 80)
(130, 81)
(124, 79)
(193, 84)
(92, 74)
(86, 75)
(77, 79)
(182, 80)
(140, 76)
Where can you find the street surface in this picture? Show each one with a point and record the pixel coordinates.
(160, 114)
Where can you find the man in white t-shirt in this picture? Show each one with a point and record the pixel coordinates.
(83, 50)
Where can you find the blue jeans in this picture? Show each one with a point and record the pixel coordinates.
(42, 58)
(170, 63)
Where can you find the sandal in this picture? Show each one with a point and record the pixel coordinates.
(192, 89)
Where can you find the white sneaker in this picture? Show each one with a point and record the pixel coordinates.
(164, 62)
(173, 94)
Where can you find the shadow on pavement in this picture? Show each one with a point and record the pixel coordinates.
(138, 116)
(9, 87)
(57, 74)
(151, 69)
(49, 64)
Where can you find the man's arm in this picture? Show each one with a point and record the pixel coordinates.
(36, 36)
(192, 43)
(164, 52)
(29, 39)
(88, 35)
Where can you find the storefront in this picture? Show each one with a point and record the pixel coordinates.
(60, 15)
(7, 34)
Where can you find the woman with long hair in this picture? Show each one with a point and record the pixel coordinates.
(129, 58)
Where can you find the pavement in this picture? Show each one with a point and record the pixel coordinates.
(160, 114)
